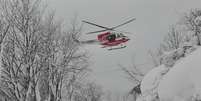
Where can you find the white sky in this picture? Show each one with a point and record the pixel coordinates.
(153, 20)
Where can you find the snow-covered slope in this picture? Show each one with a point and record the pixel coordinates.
(150, 82)
(180, 83)
(183, 80)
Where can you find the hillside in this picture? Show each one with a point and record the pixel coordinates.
(181, 83)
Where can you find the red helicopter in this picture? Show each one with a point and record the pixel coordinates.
(110, 37)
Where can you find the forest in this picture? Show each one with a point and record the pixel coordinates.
(40, 60)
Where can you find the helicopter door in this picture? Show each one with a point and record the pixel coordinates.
(111, 37)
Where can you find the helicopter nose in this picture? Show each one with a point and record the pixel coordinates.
(126, 37)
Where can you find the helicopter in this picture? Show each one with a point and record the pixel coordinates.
(108, 37)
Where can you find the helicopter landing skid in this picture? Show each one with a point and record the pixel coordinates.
(117, 48)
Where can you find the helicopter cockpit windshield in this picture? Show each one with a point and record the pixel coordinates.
(118, 35)
(111, 37)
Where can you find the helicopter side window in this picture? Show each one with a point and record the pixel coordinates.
(118, 35)
(121, 35)
(111, 37)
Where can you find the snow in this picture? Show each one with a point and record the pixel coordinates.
(150, 82)
(183, 81)
(189, 47)
(169, 58)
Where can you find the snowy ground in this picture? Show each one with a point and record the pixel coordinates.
(181, 83)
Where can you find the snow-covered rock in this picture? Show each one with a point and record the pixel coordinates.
(151, 81)
(169, 58)
(188, 48)
(182, 82)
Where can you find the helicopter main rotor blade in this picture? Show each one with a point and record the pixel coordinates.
(124, 32)
(97, 25)
(97, 31)
(123, 23)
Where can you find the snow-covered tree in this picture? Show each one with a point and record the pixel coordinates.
(39, 57)
(4, 28)
(192, 21)
(134, 74)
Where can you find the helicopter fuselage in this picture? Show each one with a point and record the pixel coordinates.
(112, 39)
(110, 36)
